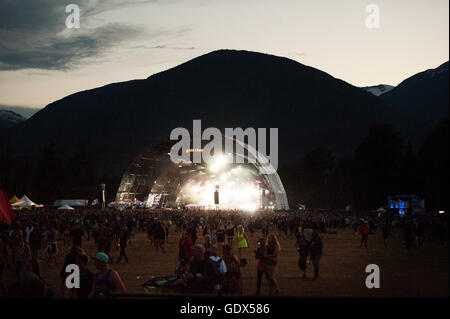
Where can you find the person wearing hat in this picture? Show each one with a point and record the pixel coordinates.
(232, 282)
(202, 272)
(106, 280)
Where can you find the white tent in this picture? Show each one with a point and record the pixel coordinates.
(65, 207)
(24, 202)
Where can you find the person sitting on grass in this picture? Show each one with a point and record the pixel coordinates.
(202, 274)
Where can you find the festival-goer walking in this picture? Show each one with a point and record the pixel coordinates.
(123, 242)
(270, 262)
(364, 230)
(385, 230)
(160, 236)
(230, 233)
(315, 250)
(184, 253)
(260, 252)
(220, 235)
(242, 240)
(303, 252)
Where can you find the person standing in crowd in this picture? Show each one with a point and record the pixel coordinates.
(50, 236)
(303, 252)
(77, 234)
(184, 253)
(364, 230)
(385, 230)
(86, 277)
(232, 282)
(260, 267)
(192, 231)
(87, 228)
(220, 235)
(108, 241)
(230, 233)
(66, 235)
(315, 250)
(242, 240)
(160, 236)
(270, 262)
(35, 242)
(409, 234)
(123, 243)
(28, 231)
(21, 258)
(207, 241)
(106, 280)
(71, 258)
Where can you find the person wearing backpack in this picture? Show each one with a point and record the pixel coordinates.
(212, 252)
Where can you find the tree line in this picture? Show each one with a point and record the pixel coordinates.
(383, 164)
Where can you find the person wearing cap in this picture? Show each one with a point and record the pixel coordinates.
(106, 280)
(202, 272)
(232, 281)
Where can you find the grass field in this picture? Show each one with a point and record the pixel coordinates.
(415, 273)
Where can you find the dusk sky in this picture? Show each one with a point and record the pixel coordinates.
(41, 60)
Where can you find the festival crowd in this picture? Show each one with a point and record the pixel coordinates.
(213, 246)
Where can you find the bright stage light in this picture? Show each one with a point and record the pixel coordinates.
(236, 191)
(218, 162)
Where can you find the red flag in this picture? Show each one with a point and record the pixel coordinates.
(6, 213)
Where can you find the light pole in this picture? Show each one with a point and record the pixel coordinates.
(102, 187)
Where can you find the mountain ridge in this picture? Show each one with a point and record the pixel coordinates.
(224, 88)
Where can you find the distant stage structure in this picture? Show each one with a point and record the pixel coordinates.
(154, 179)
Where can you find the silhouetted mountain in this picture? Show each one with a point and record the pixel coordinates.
(377, 90)
(423, 96)
(26, 112)
(224, 88)
(10, 118)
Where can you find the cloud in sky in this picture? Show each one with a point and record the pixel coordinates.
(63, 53)
(34, 35)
